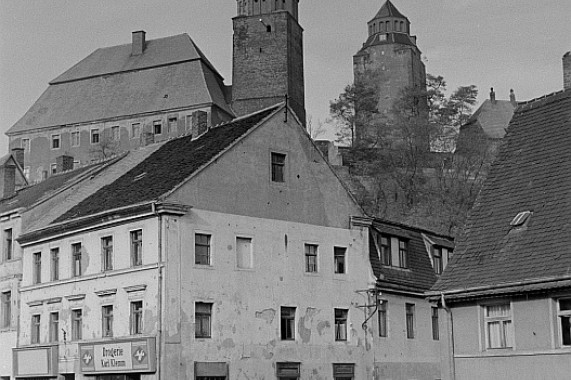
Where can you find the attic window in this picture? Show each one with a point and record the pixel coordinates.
(139, 176)
(520, 219)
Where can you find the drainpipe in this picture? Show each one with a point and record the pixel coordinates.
(160, 290)
(450, 337)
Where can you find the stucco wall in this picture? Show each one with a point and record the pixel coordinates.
(246, 302)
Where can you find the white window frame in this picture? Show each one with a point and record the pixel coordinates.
(565, 313)
(502, 319)
(55, 137)
(92, 132)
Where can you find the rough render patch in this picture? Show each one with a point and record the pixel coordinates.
(228, 343)
(267, 315)
(150, 321)
(322, 326)
(305, 333)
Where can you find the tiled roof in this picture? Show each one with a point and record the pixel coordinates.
(386, 39)
(388, 10)
(492, 117)
(420, 275)
(167, 167)
(170, 74)
(532, 173)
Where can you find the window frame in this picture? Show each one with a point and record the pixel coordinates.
(135, 130)
(435, 321)
(502, 319)
(207, 246)
(172, 121)
(92, 134)
(107, 253)
(54, 327)
(6, 307)
(8, 244)
(53, 168)
(73, 141)
(76, 324)
(37, 268)
(36, 328)
(76, 258)
(278, 166)
(386, 250)
(403, 253)
(437, 260)
(410, 320)
(203, 320)
(159, 124)
(343, 371)
(116, 133)
(287, 322)
(55, 139)
(288, 370)
(136, 317)
(340, 260)
(341, 318)
(249, 254)
(54, 261)
(561, 314)
(107, 321)
(311, 258)
(383, 320)
(136, 247)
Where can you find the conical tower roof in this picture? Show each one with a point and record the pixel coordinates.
(389, 10)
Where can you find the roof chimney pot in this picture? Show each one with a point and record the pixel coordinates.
(492, 95)
(138, 46)
(567, 71)
(512, 97)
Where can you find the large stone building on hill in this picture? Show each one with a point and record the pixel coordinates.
(123, 97)
(391, 53)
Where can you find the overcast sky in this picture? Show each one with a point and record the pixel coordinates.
(501, 43)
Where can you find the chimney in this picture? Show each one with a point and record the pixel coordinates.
(7, 181)
(64, 163)
(567, 71)
(492, 95)
(138, 42)
(199, 123)
(18, 154)
(512, 97)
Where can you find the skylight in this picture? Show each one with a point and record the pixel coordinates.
(520, 219)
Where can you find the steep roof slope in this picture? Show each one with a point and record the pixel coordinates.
(492, 117)
(172, 73)
(532, 173)
(150, 179)
(388, 10)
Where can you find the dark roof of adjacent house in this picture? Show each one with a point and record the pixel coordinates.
(172, 73)
(388, 10)
(493, 117)
(419, 276)
(30, 195)
(167, 167)
(532, 174)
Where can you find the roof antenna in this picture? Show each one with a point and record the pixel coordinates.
(285, 110)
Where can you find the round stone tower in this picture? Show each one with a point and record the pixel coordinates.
(267, 56)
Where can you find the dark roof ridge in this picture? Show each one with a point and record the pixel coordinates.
(419, 229)
(542, 100)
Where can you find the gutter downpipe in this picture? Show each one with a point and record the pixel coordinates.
(449, 320)
(160, 289)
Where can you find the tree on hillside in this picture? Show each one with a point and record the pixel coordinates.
(399, 178)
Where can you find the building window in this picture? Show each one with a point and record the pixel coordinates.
(157, 127)
(6, 309)
(172, 126)
(403, 254)
(95, 136)
(54, 253)
(76, 259)
(202, 249)
(498, 321)
(107, 252)
(311, 258)
(343, 371)
(383, 320)
(339, 260)
(385, 250)
(135, 130)
(76, 324)
(203, 320)
(55, 141)
(244, 253)
(54, 327)
(435, 324)
(26, 145)
(37, 275)
(116, 133)
(288, 371)
(36, 320)
(341, 324)
(287, 323)
(409, 309)
(107, 318)
(8, 244)
(136, 317)
(437, 260)
(278, 167)
(136, 248)
(53, 168)
(564, 314)
(75, 139)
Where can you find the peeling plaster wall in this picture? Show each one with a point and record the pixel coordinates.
(246, 302)
(94, 280)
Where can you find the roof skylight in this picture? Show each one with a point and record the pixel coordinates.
(520, 219)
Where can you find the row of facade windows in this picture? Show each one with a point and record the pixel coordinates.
(410, 320)
(382, 26)
(107, 322)
(76, 253)
(245, 259)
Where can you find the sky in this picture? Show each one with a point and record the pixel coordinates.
(489, 43)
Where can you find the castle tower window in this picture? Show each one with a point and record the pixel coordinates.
(402, 29)
(268, 28)
(396, 26)
(381, 26)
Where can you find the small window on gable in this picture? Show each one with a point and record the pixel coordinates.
(278, 167)
(520, 219)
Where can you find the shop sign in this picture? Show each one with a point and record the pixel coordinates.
(118, 356)
(35, 362)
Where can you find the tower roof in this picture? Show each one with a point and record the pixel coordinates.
(389, 10)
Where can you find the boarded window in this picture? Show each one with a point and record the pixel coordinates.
(244, 253)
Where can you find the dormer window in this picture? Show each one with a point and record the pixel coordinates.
(520, 219)
(440, 258)
(392, 250)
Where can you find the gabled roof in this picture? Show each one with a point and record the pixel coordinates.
(492, 117)
(171, 74)
(419, 276)
(532, 173)
(166, 168)
(389, 10)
